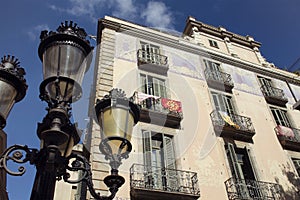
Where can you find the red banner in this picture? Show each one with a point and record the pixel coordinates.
(171, 105)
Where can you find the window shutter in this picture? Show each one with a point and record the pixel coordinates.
(147, 148)
(297, 165)
(143, 82)
(237, 173)
(236, 169)
(169, 153)
(169, 158)
(147, 145)
(252, 162)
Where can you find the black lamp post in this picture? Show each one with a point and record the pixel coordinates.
(66, 56)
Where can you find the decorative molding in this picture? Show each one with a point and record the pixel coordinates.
(185, 45)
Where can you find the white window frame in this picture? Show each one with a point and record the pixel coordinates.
(285, 121)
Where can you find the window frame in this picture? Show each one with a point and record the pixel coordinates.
(224, 95)
(144, 88)
(151, 52)
(285, 121)
(213, 43)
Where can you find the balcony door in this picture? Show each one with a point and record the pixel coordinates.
(214, 69)
(159, 161)
(223, 103)
(242, 171)
(151, 53)
(266, 85)
(153, 85)
(280, 117)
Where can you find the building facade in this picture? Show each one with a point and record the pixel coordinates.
(217, 119)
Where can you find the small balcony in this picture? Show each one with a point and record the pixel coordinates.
(232, 126)
(151, 183)
(274, 95)
(289, 138)
(250, 189)
(218, 80)
(158, 110)
(152, 62)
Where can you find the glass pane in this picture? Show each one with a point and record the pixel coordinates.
(64, 60)
(7, 96)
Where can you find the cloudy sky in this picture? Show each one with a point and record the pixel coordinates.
(274, 23)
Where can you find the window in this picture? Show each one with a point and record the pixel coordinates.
(214, 70)
(213, 43)
(153, 86)
(265, 81)
(223, 103)
(297, 165)
(243, 172)
(158, 156)
(266, 86)
(239, 162)
(151, 53)
(280, 117)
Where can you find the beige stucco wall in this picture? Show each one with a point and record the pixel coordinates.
(197, 147)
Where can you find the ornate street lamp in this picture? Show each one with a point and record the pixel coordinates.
(66, 56)
(12, 86)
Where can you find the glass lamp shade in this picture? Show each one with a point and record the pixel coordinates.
(12, 86)
(66, 56)
(116, 115)
(117, 125)
(7, 99)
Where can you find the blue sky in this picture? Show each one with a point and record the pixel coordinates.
(274, 23)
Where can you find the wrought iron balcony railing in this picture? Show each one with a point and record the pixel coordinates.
(159, 110)
(288, 137)
(162, 179)
(219, 77)
(235, 121)
(151, 58)
(274, 95)
(251, 189)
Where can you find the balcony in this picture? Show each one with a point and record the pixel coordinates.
(151, 183)
(289, 138)
(218, 80)
(158, 110)
(152, 62)
(232, 126)
(251, 189)
(274, 95)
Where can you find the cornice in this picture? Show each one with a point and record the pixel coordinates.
(182, 44)
(219, 32)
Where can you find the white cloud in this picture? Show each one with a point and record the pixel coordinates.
(155, 14)
(35, 31)
(81, 8)
(126, 9)
(158, 15)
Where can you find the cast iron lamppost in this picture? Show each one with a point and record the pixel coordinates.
(66, 56)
